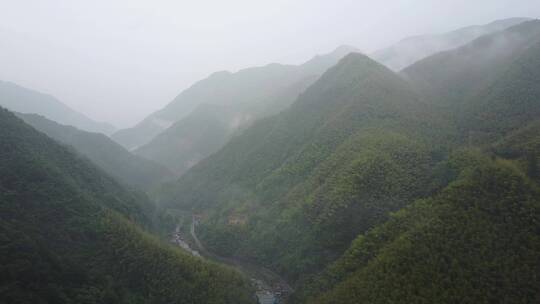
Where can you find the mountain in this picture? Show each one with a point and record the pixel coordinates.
(108, 155)
(252, 88)
(354, 143)
(487, 86)
(71, 234)
(209, 127)
(523, 147)
(19, 99)
(194, 137)
(479, 233)
(369, 172)
(475, 242)
(507, 103)
(413, 49)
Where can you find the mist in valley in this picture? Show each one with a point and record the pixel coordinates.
(269, 151)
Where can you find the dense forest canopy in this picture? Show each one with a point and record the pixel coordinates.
(116, 161)
(71, 234)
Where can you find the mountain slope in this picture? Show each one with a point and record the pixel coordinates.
(475, 242)
(70, 234)
(413, 49)
(194, 137)
(508, 103)
(358, 144)
(209, 127)
(111, 157)
(358, 128)
(487, 87)
(480, 233)
(453, 76)
(249, 88)
(19, 99)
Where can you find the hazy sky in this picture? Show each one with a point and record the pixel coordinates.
(119, 60)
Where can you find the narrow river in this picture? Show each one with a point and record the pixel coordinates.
(271, 288)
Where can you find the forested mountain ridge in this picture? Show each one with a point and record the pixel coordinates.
(23, 100)
(358, 120)
(296, 189)
(487, 87)
(71, 234)
(475, 242)
(255, 90)
(413, 49)
(112, 158)
(452, 77)
(508, 103)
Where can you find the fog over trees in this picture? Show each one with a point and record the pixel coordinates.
(306, 152)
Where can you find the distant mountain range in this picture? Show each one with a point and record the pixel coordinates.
(412, 49)
(182, 134)
(204, 117)
(23, 100)
(249, 87)
(114, 159)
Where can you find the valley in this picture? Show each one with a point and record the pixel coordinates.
(406, 174)
(270, 287)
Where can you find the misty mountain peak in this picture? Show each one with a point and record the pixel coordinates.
(345, 49)
(353, 67)
(505, 23)
(339, 52)
(413, 49)
(358, 79)
(357, 58)
(220, 75)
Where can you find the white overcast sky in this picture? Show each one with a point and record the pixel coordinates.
(119, 60)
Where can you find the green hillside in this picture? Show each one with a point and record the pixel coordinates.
(352, 144)
(488, 87)
(475, 242)
(511, 101)
(109, 156)
(71, 234)
(522, 146)
(453, 77)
